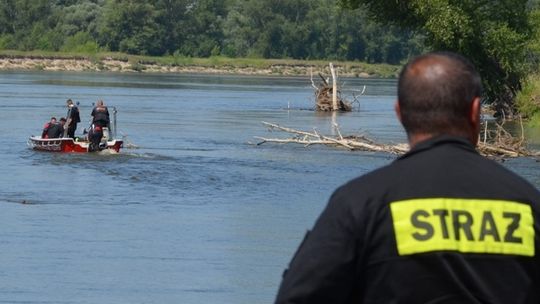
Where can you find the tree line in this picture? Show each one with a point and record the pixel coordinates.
(297, 29)
(501, 37)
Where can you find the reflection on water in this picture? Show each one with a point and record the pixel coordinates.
(196, 214)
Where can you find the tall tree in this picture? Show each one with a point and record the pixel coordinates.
(204, 28)
(171, 17)
(80, 16)
(24, 21)
(315, 29)
(493, 34)
(130, 26)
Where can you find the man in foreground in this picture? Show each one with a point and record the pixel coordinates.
(441, 224)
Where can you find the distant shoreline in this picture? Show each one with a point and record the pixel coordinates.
(224, 66)
(111, 65)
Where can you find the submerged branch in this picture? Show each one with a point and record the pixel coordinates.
(501, 149)
(349, 142)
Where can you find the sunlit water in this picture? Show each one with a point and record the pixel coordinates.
(196, 214)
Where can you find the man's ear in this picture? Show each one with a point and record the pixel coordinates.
(398, 110)
(476, 107)
(474, 120)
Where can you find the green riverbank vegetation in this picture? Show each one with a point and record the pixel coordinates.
(281, 37)
(269, 29)
(495, 35)
(528, 100)
(115, 61)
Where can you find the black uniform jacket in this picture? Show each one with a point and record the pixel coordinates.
(441, 224)
(55, 130)
(100, 114)
(75, 116)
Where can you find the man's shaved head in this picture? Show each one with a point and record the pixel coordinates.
(435, 92)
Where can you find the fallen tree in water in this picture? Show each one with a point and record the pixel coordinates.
(497, 143)
(328, 96)
(315, 138)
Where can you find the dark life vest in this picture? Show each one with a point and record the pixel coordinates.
(73, 113)
(100, 114)
(55, 130)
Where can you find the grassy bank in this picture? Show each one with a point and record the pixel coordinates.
(106, 61)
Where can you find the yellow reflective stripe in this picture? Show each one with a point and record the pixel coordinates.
(464, 225)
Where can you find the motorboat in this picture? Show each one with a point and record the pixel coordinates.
(67, 145)
(80, 144)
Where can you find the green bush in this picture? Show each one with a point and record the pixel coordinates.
(180, 59)
(81, 42)
(6, 42)
(528, 99)
(51, 41)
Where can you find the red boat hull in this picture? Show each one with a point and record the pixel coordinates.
(68, 145)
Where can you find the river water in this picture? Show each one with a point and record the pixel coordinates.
(196, 213)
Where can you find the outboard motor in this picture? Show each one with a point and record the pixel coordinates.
(94, 137)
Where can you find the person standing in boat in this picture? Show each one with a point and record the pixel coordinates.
(100, 115)
(73, 118)
(100, 120)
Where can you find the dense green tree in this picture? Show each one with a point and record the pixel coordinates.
(171, 17)
(8, 16)
(130, 26)
(20, 15)
(203, 28)
(23, 22)
(534, 42)
(493, 34)
(315, 29)
(249, 29)
(82, 16)
(303, 29)
(75, 26)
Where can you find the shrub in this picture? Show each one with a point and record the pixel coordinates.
(528, 99)
(81, 42)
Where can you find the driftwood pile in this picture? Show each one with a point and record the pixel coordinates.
(495, 144)
(328, 96)
(498, 142)
(323, 97)
(305, 138)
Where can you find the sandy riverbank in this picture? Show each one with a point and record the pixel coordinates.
(114, 65)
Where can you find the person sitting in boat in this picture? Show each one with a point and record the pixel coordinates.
(47, 126)
(94, 137)
(56, 130)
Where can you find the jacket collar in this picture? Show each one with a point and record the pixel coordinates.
(438, 141)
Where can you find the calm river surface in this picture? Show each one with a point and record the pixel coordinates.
(196, 214)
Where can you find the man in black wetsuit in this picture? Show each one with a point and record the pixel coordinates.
(100, 120)
(441, 224)
(73, 118)
(100, 115)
